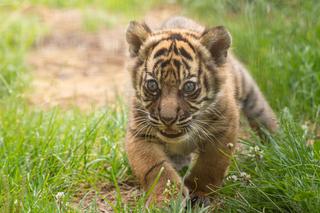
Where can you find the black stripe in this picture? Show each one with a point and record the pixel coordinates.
(143, 76)
(160, 52)
(175, 50)
(191, 35)
(205, 82)
(195, 94)
(257, 114)
(192, 107)
(153, 122)
(176, 36)
(147, 96)
(182, 39)
(138, 83)
(134, 71)
(253, 102)
(152, 168)
(149, 104)
(184, 73)
(200, 68)
(157, 64)
(184, 122)
(245, 101)
(164, 74)
(185, 54)
(251, 99)
(204, 99)
(164, 64)
(187, 66)
(177, 64)
(191, 76)
(147, 93)
(189, 44)
(172, 45)
(175, 75)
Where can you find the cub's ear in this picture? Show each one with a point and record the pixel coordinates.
(136, 34)
(217, 40)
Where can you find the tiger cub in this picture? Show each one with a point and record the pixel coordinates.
(189, 90)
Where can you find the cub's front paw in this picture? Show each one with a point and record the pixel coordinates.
(199, 200)
(156, 200)
(170, 192)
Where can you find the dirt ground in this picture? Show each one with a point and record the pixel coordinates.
(97, 199)
(74, 67)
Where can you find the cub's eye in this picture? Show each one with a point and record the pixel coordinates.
(152, 85)
(189, 87)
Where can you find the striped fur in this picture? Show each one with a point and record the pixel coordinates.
(189, 91)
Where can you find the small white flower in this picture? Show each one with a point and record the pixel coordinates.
(59, 195)
(255, 152)
(304, 127)
(247, 177)
(230, 145)
(251, 155)
(166, 191)
(234, 177)
(243, 174)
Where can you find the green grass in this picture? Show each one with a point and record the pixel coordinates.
(17, 35)
(44, 154)
(94, 20)
(284, 175)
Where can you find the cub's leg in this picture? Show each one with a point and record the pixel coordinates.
(211, 166)
(146, 160)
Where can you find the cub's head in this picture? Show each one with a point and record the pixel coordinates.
(176, 75)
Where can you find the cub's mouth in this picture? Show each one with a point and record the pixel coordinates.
(171, 134)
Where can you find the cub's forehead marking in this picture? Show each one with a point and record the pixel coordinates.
(172, 49)
(175, 67)
(172, 56)
(175, 36)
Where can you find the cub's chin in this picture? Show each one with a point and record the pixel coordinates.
(172, 137)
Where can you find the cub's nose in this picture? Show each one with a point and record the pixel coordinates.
(168, 121)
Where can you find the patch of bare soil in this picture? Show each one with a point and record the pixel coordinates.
(106, 195)
(72, 67)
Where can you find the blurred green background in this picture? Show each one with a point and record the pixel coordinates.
(47, 151)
